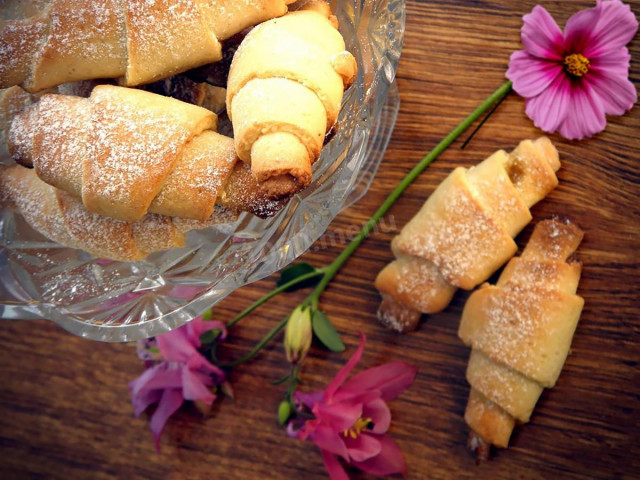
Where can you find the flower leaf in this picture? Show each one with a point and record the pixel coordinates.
(294, 271)
(326, 332)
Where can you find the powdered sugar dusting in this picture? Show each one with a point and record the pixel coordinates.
(37, 202)
(61, 133)
(135, 140)
(199, 174)
(86, 40)
(167, 37)
(511, 390)
(453, 231)
(156, 232)
(19, 39)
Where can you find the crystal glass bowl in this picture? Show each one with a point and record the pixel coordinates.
(121, 301)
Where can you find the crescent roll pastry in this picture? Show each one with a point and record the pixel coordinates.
(12, 101)
(284, 92)
(127, 152)
(62, 218)
(138, 40)
(520, 332)
(464, 232)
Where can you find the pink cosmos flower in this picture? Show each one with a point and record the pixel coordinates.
(572, 80)
(177, 372)
(351, 418)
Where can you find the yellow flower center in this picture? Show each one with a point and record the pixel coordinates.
(357, 428)
(576, 64)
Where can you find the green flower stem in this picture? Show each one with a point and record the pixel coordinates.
(333, 268)
(294, 380)
(273, 293)
(258, 346)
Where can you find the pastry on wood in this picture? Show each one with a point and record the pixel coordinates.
(284, 93)
(63, 218)
(127, 152)
(520, 332)
(464, 232)
(43, 44)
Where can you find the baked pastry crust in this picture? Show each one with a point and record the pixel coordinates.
(284, 93)
(63, 218)
(464, 232)
(520, 331)
(45, 44)
(128, 152)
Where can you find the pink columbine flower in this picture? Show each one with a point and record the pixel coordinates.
(351, 418)
(572, 80)
(177, 372)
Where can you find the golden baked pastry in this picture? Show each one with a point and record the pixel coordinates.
(464, 232)
(62, 218)
(127, 152)
(138, 40)
(520, 332)
(284, 92)
(12, 101)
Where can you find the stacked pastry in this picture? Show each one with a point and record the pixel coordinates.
(284, 93)
(127, 152)
(129, 155)
(58, 148)
(464, 232)
(46, 43)
(520, 331)
(64, 219)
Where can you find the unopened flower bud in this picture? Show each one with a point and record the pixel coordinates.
(298, 334)
(284, 412)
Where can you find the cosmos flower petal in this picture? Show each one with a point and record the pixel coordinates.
(391, 379)
(615, 27)
(616, 92)
(531, 75)
(586, 116)
(574, 99)
(389, 461)
(549, 109)
(541, 35)
(379, 413)
(579, 28)
(335, 470)
(615, 62)
(169, 403)
(363, 447)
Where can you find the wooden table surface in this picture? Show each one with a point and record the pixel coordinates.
(65, 410)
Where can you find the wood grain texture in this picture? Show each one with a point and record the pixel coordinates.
(64, 404)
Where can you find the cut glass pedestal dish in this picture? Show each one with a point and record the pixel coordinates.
(121, 301)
